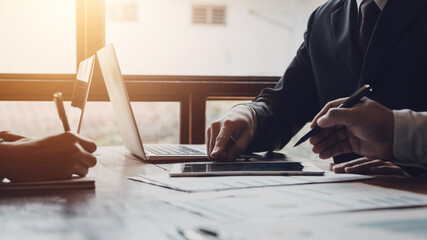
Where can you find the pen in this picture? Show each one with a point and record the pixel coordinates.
(190, 234)
(57, 98)
(208, 234)
(350, 102)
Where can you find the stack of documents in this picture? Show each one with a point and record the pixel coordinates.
(385, 224)
(200, 184)
(293, 201)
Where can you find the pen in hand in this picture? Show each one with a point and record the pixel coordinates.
(350, 102)
(57, 98)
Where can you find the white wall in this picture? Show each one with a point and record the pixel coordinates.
(164, 40)
(37, 36)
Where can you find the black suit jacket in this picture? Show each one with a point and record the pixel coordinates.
(329, 65)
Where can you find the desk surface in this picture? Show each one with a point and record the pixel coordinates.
(117, 208)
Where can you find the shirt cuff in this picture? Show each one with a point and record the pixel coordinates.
(410, 138)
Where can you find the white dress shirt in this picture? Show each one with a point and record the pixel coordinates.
(380, 3)
(410, 138)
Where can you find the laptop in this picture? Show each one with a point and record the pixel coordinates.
(132, 139)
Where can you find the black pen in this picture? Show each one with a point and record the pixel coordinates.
(57, 98)
(350, 102)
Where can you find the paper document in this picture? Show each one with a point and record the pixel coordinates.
(199, 184)
(394, 224)
(288, 201)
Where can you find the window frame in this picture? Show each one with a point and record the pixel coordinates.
(191, 92)
(209, 17)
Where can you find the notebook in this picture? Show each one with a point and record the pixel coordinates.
(73, 183)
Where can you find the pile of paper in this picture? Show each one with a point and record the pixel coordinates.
(202, 184)
(293, 201)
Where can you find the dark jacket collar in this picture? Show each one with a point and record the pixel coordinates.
(344, 30)
(394, 19)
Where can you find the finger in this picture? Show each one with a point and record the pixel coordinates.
(331, 140)
(239, 146)
(84, 157)
(325, 109)
(364, 167)
(81, 170)
(88, 160)
(208, 142)
(87, 144)
(338, 149)
(387, 170)
(215, 132)
(339, 168)
(337, 116)
(321, 135)
(221, 142)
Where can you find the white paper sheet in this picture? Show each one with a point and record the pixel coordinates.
(291, 201)
(396, 224)
(200, 184)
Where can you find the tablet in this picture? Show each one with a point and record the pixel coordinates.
(82, 86)
(244, 168)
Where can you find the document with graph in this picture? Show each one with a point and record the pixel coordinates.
(202, 184)
(396, 224)
(290, 201)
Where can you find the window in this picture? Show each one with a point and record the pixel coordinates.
(37, 36)
(123, 11)
(158, 122)
(176, 56)
(200, 15)
(215, 109)
(215, 15)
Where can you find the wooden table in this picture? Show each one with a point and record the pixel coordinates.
(117, 209)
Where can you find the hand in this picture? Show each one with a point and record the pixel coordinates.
(51, 158)
(237, 124)
(366, 129)
(370, 166)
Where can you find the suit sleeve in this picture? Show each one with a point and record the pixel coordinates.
(283, 110)
(410, 138)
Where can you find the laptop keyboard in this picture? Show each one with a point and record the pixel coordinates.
(171, 150)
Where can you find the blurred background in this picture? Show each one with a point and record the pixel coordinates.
(151, 37)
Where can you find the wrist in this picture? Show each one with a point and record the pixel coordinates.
(3, 154)
(8, 163)
(251, 113)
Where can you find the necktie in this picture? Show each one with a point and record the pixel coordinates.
(368, 16)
